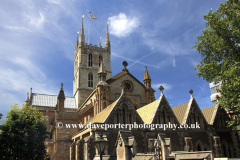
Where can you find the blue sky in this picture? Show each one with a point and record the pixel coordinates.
(38, 38)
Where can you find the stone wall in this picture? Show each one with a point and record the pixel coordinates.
(137, 94)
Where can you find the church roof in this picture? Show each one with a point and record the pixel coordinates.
(102, 116)
(147, 112)
(121, 74)
(117, 76)
(180, 111)
(209, 114)
(45, 100)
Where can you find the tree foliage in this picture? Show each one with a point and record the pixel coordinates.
(23, 134)
(219, 47)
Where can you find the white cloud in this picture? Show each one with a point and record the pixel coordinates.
(165, 85)
(37, 21)
(174, 62)
(19, 81)
(31, 68)
(17, 28)
(54, 1)
(122, 26)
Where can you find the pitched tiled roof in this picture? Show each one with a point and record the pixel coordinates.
(208, 113)
(45, 100)
(117, 76)
(121, 74)
(147, 112)
(180, 111)
(102, 116)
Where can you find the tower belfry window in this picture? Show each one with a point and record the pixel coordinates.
(90, 60)
(90, 80)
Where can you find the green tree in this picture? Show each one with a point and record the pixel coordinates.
(219, 47)
(1, 115)
(23, 134)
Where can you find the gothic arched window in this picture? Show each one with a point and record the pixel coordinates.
(100, 60)
(199, 148)
(90, 60)
(90, 80)
(164, 118)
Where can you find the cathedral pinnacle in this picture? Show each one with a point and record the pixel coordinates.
(107, 41)
(101, 68)
(101, 72)
(146, 78)
(82, 36)
(146, 74)
(107, 36)
(27, 98)
(61, 94)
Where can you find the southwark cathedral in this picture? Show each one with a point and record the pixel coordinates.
(100, 98)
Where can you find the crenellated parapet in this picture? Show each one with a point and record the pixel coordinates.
(94, 47)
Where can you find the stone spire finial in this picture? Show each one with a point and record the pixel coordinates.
(125, 64)
(191, 92)
(146, 74)
(101, 68)
(101, 72)
(107, 35)
(61, 94)
(161, 88)
(146, 78)
(82, 36)
(61, 99)
(27, 98)
(107, 41)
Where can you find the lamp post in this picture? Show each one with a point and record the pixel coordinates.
(100, 144)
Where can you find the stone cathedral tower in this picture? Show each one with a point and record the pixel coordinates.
(87, 60)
